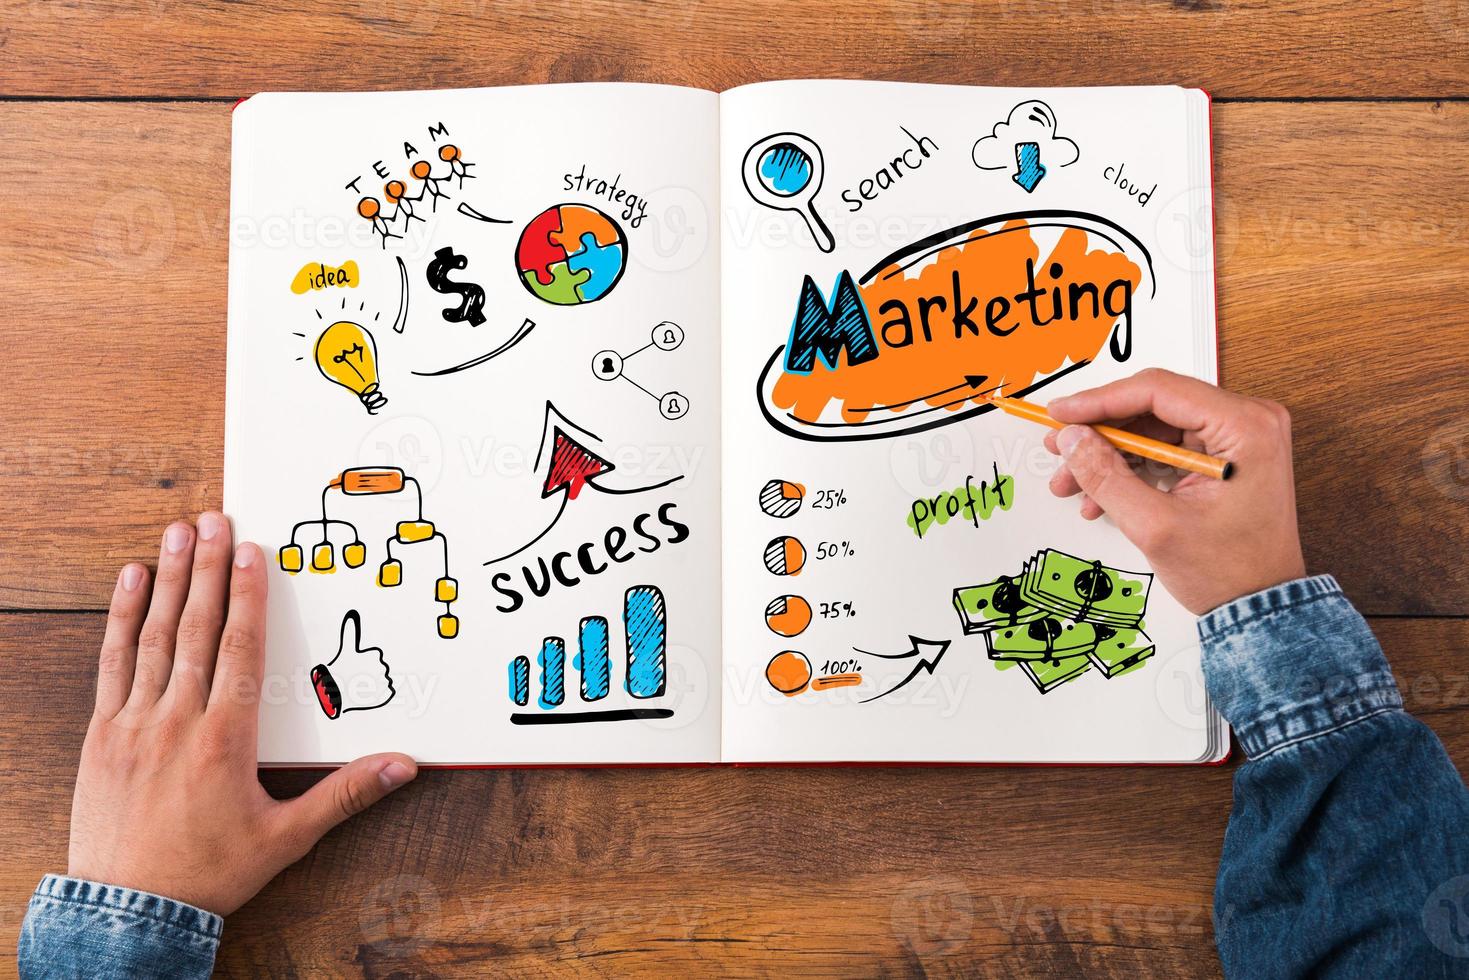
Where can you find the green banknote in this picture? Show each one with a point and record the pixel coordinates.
(1045, 639)
(1065, 585)
(994, 604)
(1047, 675)
(1119, 650)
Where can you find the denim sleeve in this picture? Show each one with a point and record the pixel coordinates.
(1347, 852)
(76, 928)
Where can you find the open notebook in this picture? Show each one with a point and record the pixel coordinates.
(638, 424)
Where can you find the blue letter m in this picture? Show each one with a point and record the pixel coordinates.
(826, 330)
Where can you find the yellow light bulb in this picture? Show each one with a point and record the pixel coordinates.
(347, 355)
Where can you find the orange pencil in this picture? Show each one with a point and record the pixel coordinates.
(1131, 442)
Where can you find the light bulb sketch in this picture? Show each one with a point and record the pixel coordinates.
(347, 355)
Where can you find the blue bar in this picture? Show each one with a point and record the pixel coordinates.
(646, 622)
(520, 680)
(591, 658)
(553, 669)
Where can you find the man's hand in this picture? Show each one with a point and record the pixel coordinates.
(1210, 541)
(167, 798)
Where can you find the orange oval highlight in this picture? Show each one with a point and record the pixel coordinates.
(1003, 303)
(830, 681)
(789, 672)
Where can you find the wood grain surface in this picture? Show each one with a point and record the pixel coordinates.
(1252, 49)
(1341, 159)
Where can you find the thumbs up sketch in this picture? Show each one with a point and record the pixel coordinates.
(357, 678)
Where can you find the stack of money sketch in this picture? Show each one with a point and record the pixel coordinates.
(1060, 617)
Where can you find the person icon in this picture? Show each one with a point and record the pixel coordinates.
(422, 171)
(449, 153)
(370, 209)
(397, 194)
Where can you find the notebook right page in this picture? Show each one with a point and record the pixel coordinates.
(899, 583)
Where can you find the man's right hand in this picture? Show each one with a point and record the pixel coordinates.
(1210, 541)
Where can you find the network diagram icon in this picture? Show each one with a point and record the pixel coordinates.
(609, 365)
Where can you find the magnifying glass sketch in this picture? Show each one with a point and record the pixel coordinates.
(783, 172)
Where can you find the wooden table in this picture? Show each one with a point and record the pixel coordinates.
(1342, 174)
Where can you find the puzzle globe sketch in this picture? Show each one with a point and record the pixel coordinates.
(571, 254)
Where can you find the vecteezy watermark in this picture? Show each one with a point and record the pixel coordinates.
(1449, 18)
(1446, 917)
(923, 463)
(933, 915)
(409, 442)
(678, 232)
(933, 20)
(135, 230)
(401, 910)
(1446, 460)
(1178, 687)
(1188, 225)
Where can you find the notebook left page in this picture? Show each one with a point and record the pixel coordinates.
(472, 419)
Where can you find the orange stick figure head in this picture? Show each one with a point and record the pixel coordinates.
(393, 190)
(448, 152)
(368, 207)
(420, 170)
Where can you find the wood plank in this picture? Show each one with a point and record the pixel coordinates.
(1251, 49)
(711, 869)
(1341, 247)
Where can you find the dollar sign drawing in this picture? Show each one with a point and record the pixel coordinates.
(471, 295)
(1006, 598)
(1091, 585)
(1045, 630)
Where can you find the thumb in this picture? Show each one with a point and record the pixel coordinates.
(344, 793)
(1105, 477)
(351, 638)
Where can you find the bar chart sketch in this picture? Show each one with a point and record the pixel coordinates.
(644, 674)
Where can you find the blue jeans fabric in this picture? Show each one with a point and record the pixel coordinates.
(1347, 853)
(84, 929)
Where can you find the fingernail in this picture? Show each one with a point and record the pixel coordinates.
(1060, 402)
(209, 525)
(176, 538)
(1069, 437)
(245, 555)
(131, 576)
(395, 774)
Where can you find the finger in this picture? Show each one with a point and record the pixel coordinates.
(203, 615)
(351, 638)
(1063, 483)
(345, 793)
(1147, 425)
(1187, 403)
(160, 628)
(1108, 482)
(120, 643)
(1152, 427)
(241, 664)
(1089, 509)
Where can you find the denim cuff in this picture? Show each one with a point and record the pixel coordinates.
(84, 928)
(1293, 662)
